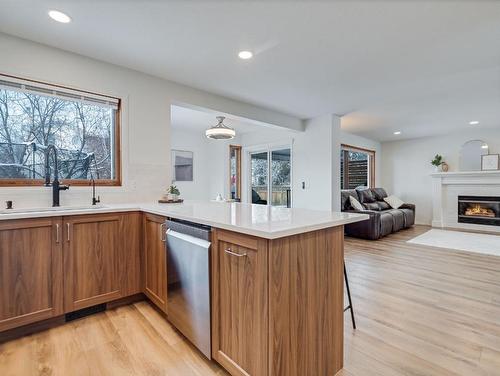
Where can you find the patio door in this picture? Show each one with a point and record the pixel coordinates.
(270, 176)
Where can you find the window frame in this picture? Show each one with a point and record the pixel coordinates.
(237, 151)
(117, 155)
(371, 164)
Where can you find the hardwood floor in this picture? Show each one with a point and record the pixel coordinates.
(419, 310)
(129, 340)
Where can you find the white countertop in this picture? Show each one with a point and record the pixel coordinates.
(258, 220)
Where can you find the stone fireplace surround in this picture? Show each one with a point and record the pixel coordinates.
(447, 186)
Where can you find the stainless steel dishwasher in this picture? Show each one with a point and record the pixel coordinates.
(188, 281)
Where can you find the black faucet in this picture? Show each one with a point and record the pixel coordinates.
(56, 185)
(94, 200)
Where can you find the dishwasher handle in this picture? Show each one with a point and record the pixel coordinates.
(188, 238)
(193, 229)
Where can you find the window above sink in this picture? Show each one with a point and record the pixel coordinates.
(84, 127)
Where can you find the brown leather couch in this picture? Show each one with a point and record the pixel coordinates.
(383, 219)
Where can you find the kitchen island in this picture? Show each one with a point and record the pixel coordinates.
(276, 275)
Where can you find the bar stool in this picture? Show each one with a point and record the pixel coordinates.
(349, 297)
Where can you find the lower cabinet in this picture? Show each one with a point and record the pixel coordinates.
(240, 303)
(155, 260)
(91, 260)
(50, 266)
(31, 271)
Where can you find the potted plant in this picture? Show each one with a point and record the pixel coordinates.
(437, 162)
(173, 193)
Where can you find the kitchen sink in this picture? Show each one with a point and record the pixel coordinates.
(52, 209)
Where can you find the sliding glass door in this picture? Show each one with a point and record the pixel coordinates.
(259, 167)
(270, 177)
(281, 168)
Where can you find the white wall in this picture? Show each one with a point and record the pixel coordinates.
(406, 165)
(210, 164)
(366, 143)
(145, 117)
(315, 161)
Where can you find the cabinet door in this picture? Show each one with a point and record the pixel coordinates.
(130, 256)
(30, 271)
(240, 301)
(91, 260)
(155, 260)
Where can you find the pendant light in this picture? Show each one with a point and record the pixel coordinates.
(220, 131)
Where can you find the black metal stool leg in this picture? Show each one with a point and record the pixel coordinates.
(349, 297)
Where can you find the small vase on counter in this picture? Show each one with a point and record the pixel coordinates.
(172, 194)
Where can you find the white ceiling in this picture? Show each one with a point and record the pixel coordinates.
(422, 67)
(193, 120)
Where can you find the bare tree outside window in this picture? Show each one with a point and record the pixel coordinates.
(82, 132)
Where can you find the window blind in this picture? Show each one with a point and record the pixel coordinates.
(34, 87)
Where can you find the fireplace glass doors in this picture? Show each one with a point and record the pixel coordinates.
(481, 210)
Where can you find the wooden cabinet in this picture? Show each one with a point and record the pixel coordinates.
(30, 271)
(130, 253)
(155, 260)
(50, 266)
(277, 305)
(240, 303)
(92, 255)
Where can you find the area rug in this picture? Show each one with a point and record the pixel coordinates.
(462, 241)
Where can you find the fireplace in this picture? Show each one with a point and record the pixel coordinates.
(480, 210)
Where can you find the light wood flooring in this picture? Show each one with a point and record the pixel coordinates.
(420, 311)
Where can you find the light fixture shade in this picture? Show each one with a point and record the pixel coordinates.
(220, 131)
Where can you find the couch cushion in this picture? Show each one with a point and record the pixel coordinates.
(409, 216)
(382, 205)
(344, 198)
(372, 206)
(386, 222)
(365, 195)
(398, 219)
(379, 193)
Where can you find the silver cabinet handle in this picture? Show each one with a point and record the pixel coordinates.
(162, 233)
(229, 252)
(57, 232)
(67, 228)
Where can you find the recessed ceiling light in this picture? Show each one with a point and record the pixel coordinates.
(474, 122)
(484, 146)
(397, 132)
(245, 55)
(59, 16)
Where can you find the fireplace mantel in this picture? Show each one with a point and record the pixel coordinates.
(447, 186)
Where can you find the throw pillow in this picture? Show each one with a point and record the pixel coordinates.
(356, 204)
(365, 195)
(379, 193)
(395, 202)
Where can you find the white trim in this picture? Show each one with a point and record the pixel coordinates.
(53, 90)
(447, 186)
(466, 173)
